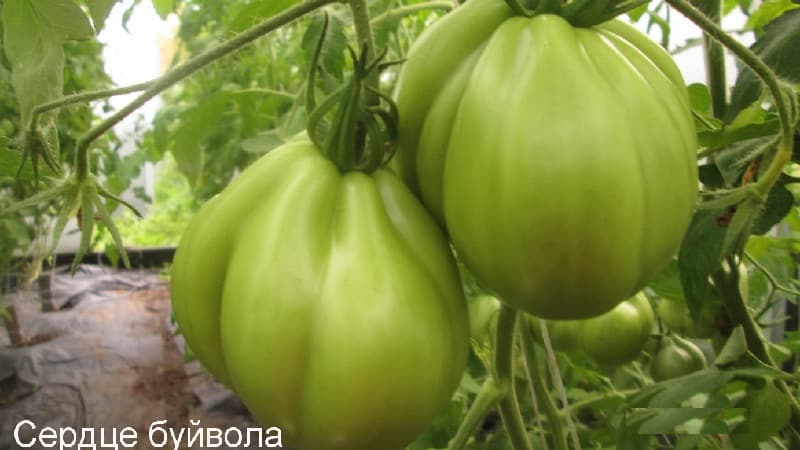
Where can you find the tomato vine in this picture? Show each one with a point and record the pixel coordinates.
(356, 126)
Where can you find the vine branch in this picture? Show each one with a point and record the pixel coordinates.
(767, 76)
(715, 59)
(539, 387)
(82, 97)
(407, 10)
(503, 373)
(186, 69)
(363, 25)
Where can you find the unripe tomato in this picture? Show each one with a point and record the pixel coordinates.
(560, 159)
(565, 335)
(677, 357)
(676, 317)
(330, 302)
(482, 312)
(646, 313)
(616, 337)
(613, 338)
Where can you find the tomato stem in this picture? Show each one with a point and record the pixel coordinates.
(767, 76)
(184, 70)
(83, 97)
(487, 398)
(408, 10)
(555, 375)
(503, 372)
(363, 25)
(728, 283)
(715, 59)
(538, 385)
(498, 389)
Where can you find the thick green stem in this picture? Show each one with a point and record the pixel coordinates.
(363, 26)
(184, 70)
(487, 398)
(784, 153)
(539, 386)
(503, 373)
(728, 283)
(497, 389)
(715, 59)
(83, 97)
(555, 375)
(408, 10)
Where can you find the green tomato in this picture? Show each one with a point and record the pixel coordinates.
(482, 312)
(615, 337)
(646, 313)
(676, 317)
(560, 159)
(330, 302)
(676, 358)
(565, 335)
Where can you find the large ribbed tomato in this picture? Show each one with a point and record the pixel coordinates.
(329, 301)
(560, 159)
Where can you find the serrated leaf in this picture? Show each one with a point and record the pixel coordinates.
(667, 283)
(679, 389)
(195, 126)
(63, 18)
(779, 202)
(726, 136)
(731, 161)
(99, 10)
(777, 47)
(667, 419)
(768, 411)
(262, 142)
(163, 7)
(35, 53)
(700, 98)
(332, 58)
(768, 11)
(734, 348)
(256, 11)
(707, 243)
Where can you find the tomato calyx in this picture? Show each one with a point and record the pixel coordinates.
(35, 147)
(579, 13)
(356, 126)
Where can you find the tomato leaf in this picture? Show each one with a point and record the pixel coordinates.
(768, 411)
(163, 7)
(712, 236)
(196, 125)
(99, 10)
(727, 136)
(332, 58)
(733, 160)
(768, 11)
(667, 284)
(263, 142)
(779, 202)
(778, 49)
(256, 11)
(734, 348)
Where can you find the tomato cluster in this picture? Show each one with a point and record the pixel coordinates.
(558, 161)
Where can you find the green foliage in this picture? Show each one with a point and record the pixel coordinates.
(215, 123)
(167, 216)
